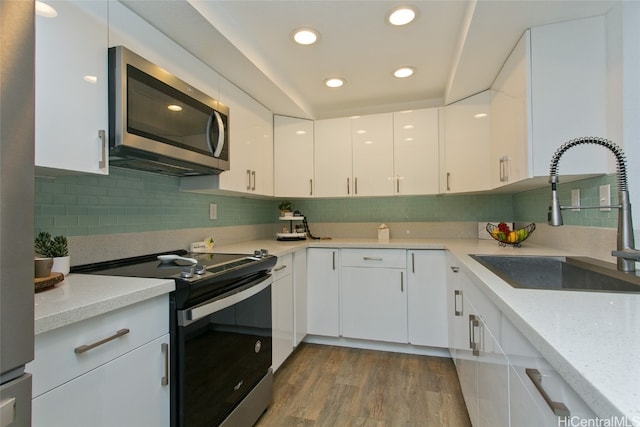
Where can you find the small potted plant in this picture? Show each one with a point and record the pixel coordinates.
(286, 208)
(54, 247)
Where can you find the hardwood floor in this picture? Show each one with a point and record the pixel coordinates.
(336, 386)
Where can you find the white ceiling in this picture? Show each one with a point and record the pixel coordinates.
(456, 46)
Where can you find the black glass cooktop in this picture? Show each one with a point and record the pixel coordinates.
(150, 266)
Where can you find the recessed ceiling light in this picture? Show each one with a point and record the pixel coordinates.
(305, 36)
(480, 115)
(43, 9)
(403, 72)
(301, 132)
(174, 107)
(334, 82)
(401, 15)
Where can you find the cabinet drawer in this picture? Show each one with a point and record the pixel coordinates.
(283, 267)
(386, 258)
(58, 353)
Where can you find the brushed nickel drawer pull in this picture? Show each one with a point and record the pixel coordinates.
(558, 408)
(372, 258)
(334, 260)
(474, 323)
(102, 164)
(86, 347)
(401, 281)
(457, 293)
(165, 350)
(280, 267)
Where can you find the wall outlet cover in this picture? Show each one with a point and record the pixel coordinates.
(605, 197)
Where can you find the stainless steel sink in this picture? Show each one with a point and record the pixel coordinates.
(562, 273)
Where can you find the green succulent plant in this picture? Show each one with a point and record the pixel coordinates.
(51, 247)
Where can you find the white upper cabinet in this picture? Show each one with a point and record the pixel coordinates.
(415, 152)
(372, 144)
(550, 90)
(251, 143)
(251, 148)
(332, 157)
(71, 89)
(293, 159)
(510, 117)
(465, 148)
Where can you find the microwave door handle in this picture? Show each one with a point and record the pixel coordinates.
(221, 131)
(209, 126)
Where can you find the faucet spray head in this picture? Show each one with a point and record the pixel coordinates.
(554, 216)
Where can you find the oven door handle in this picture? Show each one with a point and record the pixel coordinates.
(188, 316)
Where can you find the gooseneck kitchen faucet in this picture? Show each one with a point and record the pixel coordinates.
(625, 251)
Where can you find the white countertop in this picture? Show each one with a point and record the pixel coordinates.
(81, 296)
(591, 338)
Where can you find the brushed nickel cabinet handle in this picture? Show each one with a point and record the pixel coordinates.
(103, 141)
(311, 187)
(413, 262)
(281, 267)
(397, 184)
(253, 175)
(456, 294)
(402, 281)
(558, 408)
(248, 179)
(355, 185)
(474, 323)
(372, 258)
(448, 181)
(334, 260)
(86, 347)
(348, 189)
(455, 269)
(165, 350)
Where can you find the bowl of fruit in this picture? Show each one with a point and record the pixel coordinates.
(505, 236)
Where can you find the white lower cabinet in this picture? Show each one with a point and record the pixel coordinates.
(483, 369)
(426, 293)
(323, 291)
(282, 310)
(107, 370)
(498, 382)
(299, 296)
(374, 295)
(127, 391)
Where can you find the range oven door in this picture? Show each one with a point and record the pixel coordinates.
(223, 352)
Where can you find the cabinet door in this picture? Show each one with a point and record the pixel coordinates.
(251, 141)
(511, 117)
(300, 296)
(282, 309)
(71, 88)
(127, 391)
(372, 143)
(374, 304)
(415, 152)
(323, 268)
(467, 145)
(569, 94)
(427, 298)
(332, 157)
(293, 154)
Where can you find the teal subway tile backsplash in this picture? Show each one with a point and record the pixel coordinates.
(532, 206)
(130, 201)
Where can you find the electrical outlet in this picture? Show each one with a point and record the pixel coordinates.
(575, 199)
(605, 197)
(213, 211)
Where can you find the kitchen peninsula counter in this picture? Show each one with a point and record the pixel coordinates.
(81, 296)
(590, 338)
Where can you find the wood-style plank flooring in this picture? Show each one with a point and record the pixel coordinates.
(336, 386)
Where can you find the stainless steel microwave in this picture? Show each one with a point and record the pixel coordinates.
(161, 124)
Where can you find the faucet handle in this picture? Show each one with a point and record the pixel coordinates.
(630, 254)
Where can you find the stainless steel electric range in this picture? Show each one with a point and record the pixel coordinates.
(220, 328)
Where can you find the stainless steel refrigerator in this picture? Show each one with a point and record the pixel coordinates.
(17, 183)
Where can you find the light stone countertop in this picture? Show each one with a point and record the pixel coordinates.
(81, 296)
(591, 338)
